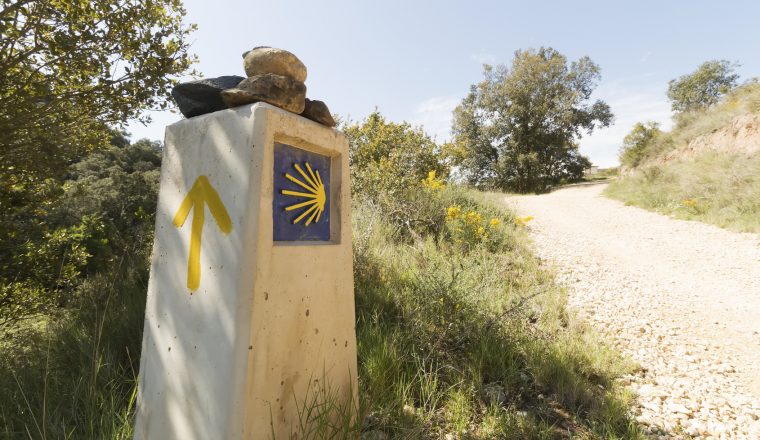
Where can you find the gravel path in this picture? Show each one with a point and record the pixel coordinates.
(681, 298)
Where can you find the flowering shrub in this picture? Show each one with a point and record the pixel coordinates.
(432, 183)
(469, 227)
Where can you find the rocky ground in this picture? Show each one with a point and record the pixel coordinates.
(682, 299)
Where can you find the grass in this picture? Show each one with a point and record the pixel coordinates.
(459, 332)
(475, 341)
(74, 374)
(690, 125)
(718, 188)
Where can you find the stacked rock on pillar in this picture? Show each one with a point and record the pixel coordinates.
(203, 96)
(274, 76)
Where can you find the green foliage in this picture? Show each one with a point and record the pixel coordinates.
(387, 157)
(388, 163)
(637, 144)
(704, 87)
(449, 316)
(55, 238)
(73, 284)
(517, 129)
(716, 187)
(71, 69)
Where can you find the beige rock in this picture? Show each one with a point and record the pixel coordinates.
(264, 59)
(274, 89)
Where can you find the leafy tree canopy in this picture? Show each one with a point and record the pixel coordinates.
(638, 142)
(517, 129)
(703, 87)
(390, 157)
(72, 69)
(61, 232)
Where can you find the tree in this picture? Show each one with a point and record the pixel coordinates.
(99, 217)
(517, 129)
(704, 87)
(388, 157)
(638, 143)
(72, 69)
(389, 162)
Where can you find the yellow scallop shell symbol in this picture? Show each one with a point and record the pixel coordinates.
(315, 205)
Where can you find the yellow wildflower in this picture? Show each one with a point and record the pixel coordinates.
(431, 182)
(473, 217)
(690, 203)
(494, 222)
(453, 212)
(481, 230)
(523, 221)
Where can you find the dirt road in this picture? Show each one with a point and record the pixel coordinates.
(681, 298)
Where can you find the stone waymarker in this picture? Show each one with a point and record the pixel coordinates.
(250, 308)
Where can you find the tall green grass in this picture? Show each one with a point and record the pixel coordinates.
(474, 339)
(459, 332)
(718, 188)
(73, 375)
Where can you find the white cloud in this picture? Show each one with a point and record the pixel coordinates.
(435, 115)
(631, 103)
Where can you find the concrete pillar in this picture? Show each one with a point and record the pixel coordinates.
(250, 302)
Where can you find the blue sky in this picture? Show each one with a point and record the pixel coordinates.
(415, 61)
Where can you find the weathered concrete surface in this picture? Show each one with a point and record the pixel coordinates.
(268, 321)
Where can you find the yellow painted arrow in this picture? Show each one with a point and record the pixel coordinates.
(201, 194)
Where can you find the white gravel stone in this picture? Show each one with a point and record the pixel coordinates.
(680, 298)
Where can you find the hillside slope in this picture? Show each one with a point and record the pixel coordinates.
(740, 136)
(707, 168)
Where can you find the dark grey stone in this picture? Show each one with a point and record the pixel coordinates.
(203, 96)
(317, 111)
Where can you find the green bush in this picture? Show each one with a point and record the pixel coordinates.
(57, 233)
(638, 144)
(389, 158)
(460, 331)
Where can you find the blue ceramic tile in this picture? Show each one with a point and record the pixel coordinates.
(301, 202)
